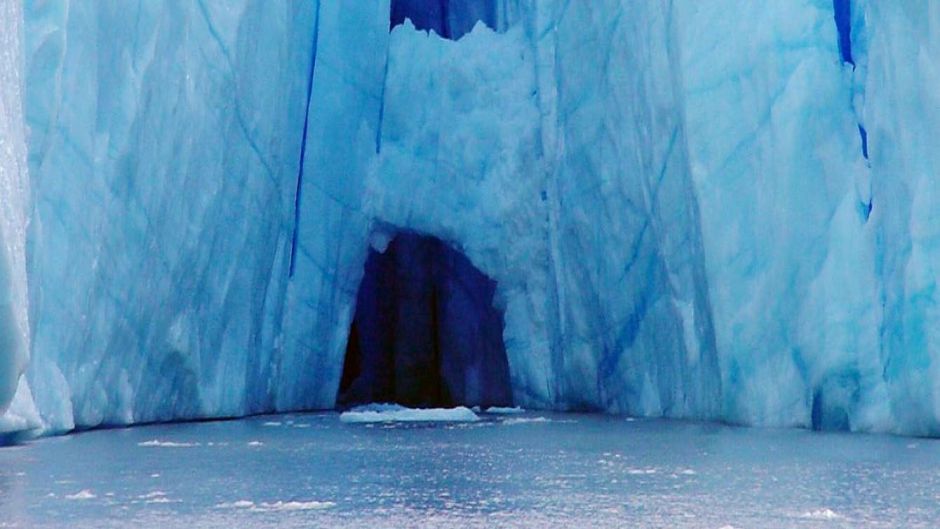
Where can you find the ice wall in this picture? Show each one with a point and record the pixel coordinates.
(634, 330)
(164, 150)
(899, 105)
(782, 186)
(716, 209)
(331, 230)
(14, 196)
(625, 329)
(816, 229)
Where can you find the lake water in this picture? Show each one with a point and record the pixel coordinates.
(531, 470)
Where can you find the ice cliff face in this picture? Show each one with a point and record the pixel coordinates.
(574, 200)
(690, 209)
(165, 139)
(16, 408)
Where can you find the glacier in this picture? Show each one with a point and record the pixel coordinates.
(714, 210)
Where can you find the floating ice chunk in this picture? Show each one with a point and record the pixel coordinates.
(84, 494)
(526, 420)
(294, 506)
(157, 496)
(240, 504)
(504, 410)
(277, 506)
(822, 514)
(166, 444)
(395, 413)
(151, 495)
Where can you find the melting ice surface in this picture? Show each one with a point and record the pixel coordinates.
(528, 469)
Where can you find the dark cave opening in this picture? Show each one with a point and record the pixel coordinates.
(450, 19)
(425, 332)
(832, 400)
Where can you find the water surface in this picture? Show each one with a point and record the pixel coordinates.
(531, 470)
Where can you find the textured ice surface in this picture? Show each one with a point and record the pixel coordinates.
(814, 177)
(719, 209)
(591, 319)
(16, 408)
(783, 195)
(165, 139)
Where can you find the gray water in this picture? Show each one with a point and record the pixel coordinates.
(536, 470)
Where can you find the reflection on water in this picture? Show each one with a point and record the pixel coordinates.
(529, 470)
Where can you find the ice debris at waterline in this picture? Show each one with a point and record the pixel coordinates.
(693, 216)
(504, 410)
(370, 413)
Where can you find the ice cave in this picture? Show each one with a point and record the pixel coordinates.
(425, 332)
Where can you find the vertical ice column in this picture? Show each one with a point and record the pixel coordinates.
(163, 149)
(902, 114)
(634, 330)
(14, 329)
(778, 170)
(330, 243)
